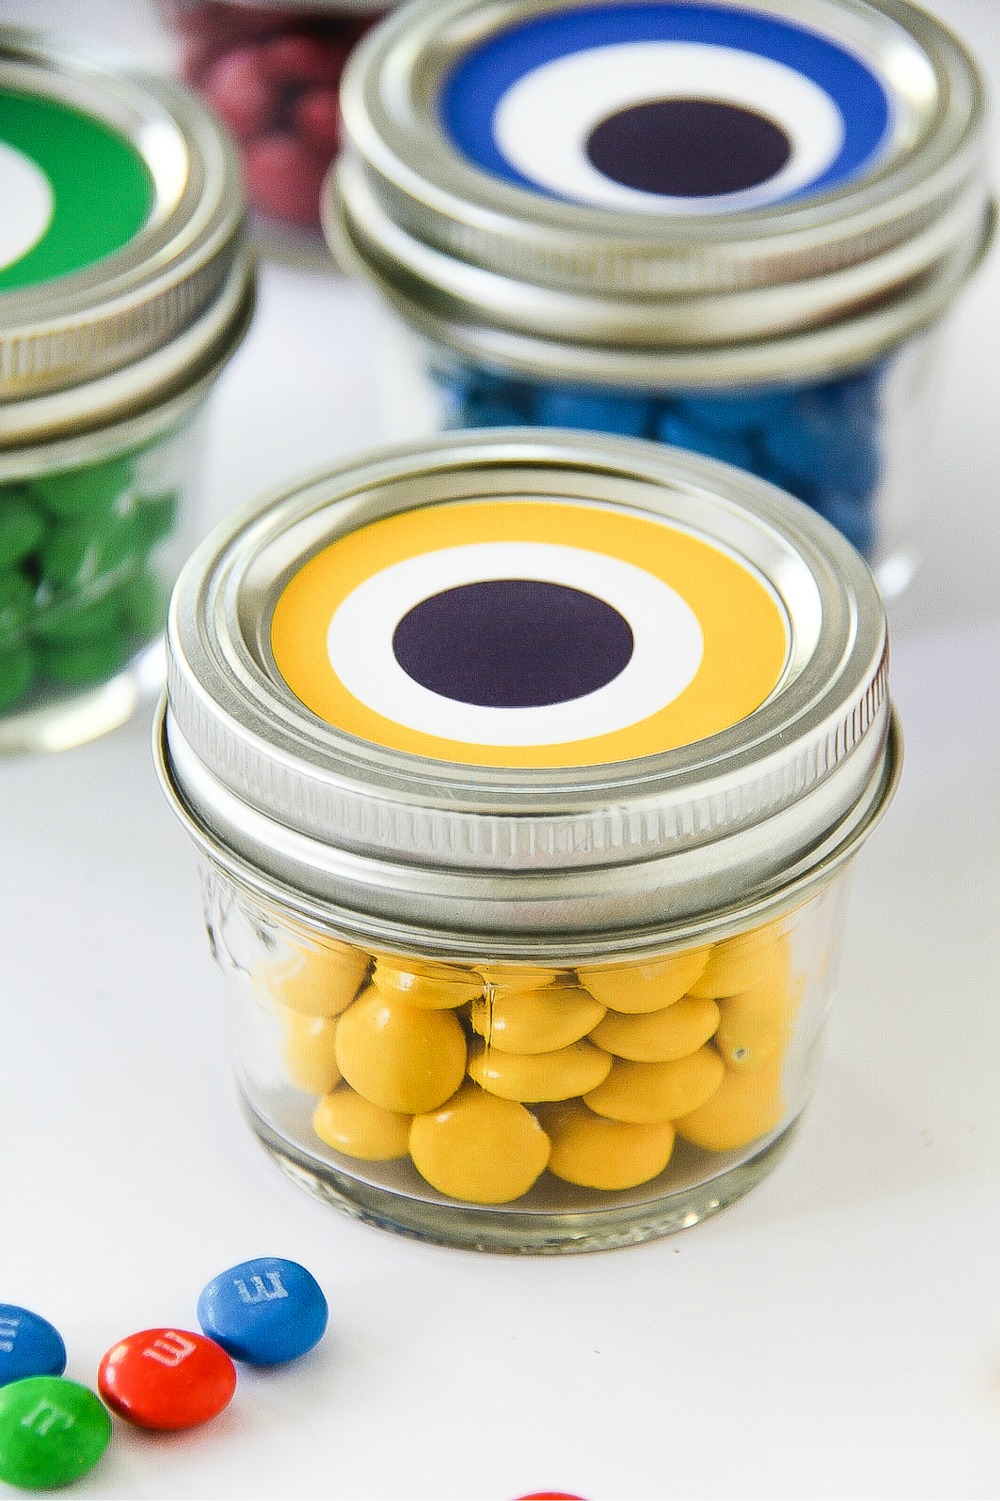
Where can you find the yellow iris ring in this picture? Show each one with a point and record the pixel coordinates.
(743, 627)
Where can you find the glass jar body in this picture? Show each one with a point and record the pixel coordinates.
(535, 1104)
(93, 532)
(272, 73)
(853, 445)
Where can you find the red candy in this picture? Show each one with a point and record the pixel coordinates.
(317, 120)
(273, 76)
(284, 179)
(238, 88)
(166, 1378)
(303, 60)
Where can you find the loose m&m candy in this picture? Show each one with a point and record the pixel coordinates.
(52, 1431)
(265, 1311)
(29, 1345)
(166, 1378)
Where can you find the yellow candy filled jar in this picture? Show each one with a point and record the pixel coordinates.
(525, 770)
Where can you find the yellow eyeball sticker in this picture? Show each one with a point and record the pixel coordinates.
(528, 633)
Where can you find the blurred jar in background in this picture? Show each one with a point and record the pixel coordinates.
(124, 288)
(716, 226)
(272, 73)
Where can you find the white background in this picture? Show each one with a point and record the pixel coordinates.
(836, 1333)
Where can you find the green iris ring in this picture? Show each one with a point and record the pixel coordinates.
(102, 187)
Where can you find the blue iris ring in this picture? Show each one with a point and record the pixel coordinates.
(477, 85)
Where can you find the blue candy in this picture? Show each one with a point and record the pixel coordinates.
(491, 411)
(597, 411)
(854, 520)
(821, 441)
(713, 443)
(830, 455)
(264, 1311)
(739, 410)
(29, 1345)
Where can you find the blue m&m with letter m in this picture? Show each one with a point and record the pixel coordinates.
(29, 1345)
(265, 1312)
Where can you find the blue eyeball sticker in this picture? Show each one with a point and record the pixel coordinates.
(667, 108)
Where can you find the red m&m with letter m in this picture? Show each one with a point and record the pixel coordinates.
(166, 1378)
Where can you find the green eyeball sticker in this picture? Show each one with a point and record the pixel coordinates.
(73, 190)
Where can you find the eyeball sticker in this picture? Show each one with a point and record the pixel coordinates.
(72, 190)
(528, 633)
(666, 108)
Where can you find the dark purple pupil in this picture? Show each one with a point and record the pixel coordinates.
(512, 643)
(688, 148)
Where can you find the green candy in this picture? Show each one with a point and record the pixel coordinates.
(155, 516)
(146, 604)
(82, 555)
(90, 492)
(17, 598)
(22, 527)
(17, 673)
(52, 1431)
(81, 664)
(81, 619)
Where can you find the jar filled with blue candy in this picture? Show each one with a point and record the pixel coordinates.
(711, 225)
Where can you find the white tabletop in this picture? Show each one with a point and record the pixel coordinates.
(834, 1334)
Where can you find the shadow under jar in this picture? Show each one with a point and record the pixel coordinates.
(525, 770)
(124, 288)
(720, 226)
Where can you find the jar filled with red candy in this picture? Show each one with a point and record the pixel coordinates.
(272, 74)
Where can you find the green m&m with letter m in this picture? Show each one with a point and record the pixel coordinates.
(52, 1431)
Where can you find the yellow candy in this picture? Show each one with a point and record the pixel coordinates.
(744, 1107)
(516, 976)
(353, 1125)
(643, 1092)
(434, 987)
(539, 1076)
(537, 1021)
(399, 1057)
(754, 1026)
(736, 964)
(309, 1050)
(479, 1148)
(599, 1153)
(645, 987)
(659, 1036)
(318, 981)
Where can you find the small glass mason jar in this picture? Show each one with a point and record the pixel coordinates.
(272, 72)
(721, 226)
(525, 770)
(124, 287)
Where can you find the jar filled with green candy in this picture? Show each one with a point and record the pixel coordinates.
(125, 286)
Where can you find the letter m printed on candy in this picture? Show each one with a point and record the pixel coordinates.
(170, 1348)
(257, 1292)
(45, 1416)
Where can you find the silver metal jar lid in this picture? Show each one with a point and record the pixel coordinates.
(319, 7)
(123, 270)
(470, 196)
(717, 740)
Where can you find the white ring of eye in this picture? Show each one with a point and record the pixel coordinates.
(543, 121)
(668, 643)
(28, 204)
